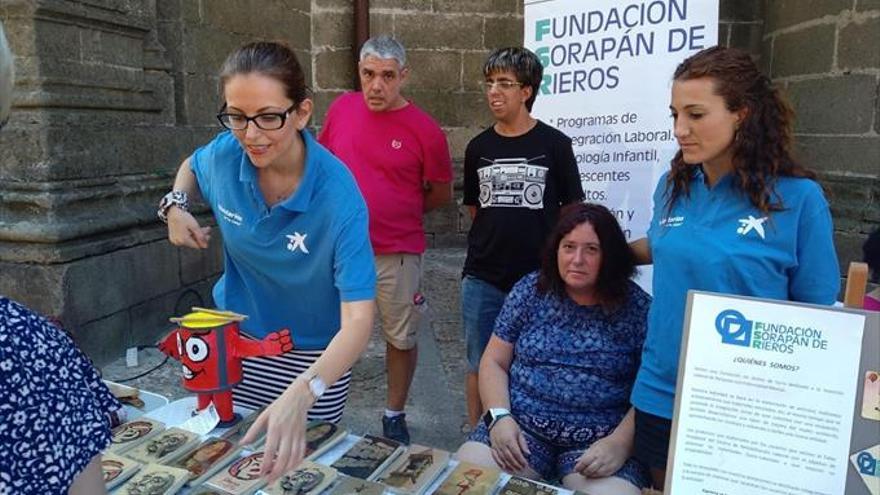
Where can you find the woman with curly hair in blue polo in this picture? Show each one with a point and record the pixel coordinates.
(736, 214)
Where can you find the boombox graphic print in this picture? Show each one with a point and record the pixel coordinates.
(512, 182)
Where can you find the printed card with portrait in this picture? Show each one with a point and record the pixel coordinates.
(469, 479)
(116, 469)
(353, 486)
(321, 436)
(242, 477)
(368, 457)
(871, 396)
(308, 478)
(163, 447)
(128, 435)
(238, 431)
(154, 479)
(204, 490)
(867, 464)
(521, 486)
(206, 459)
(414, 470)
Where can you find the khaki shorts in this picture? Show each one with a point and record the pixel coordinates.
(399, 300)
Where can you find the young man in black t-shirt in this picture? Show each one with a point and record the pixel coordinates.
(517, 175)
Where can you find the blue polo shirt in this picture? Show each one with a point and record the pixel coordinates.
(715, 240)
(288, 266)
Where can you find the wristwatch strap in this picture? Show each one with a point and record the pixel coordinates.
(174, 198)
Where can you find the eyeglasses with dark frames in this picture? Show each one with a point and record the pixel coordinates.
(269, 121)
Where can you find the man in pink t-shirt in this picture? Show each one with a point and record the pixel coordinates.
(399, 157)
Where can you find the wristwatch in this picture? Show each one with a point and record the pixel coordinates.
(174, 198)
(316, 386)
(493, 415)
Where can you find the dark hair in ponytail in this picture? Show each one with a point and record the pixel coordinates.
(271, 58)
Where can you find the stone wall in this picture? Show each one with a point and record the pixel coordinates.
(113, 94)
(825, 54)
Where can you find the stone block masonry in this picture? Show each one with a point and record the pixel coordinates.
(113, 95)
(824, 54)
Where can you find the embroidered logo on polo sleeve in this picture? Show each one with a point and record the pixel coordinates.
(747, 225)
(296, 242)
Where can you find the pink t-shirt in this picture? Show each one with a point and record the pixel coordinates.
(391, 155)
(870, 303)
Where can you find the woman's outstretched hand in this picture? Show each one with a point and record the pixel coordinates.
(285, 424)
(184, 230)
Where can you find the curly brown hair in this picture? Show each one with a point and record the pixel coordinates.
(762, 147)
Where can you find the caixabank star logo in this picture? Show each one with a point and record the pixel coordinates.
(735, 329)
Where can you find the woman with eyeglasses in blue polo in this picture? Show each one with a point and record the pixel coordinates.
(296, 249)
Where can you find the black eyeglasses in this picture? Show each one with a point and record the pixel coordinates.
(270, 121)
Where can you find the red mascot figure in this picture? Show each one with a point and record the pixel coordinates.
(209, 347)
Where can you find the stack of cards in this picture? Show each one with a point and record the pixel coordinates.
(117, 469)
(307, 479)
(321, 436)
(469, 479)
(368, 457)
(205, 490)
(127, 435)
(206, 459)
(414, 470)
(522, 486)
(354, 486)
(163, 447)
(242, 477)
(155, 479)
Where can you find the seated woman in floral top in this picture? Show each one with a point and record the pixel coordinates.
(557, 373)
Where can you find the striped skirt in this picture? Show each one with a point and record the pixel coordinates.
(265, 378)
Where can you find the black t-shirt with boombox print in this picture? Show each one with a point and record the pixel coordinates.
(518, 185)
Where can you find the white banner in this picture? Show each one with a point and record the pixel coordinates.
(608, 66)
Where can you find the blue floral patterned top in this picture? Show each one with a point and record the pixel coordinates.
(573, 366)
(53, 405)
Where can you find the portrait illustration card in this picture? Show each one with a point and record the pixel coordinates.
(867, 464)
(871, 396)
(154, 479)
(521, 486)
(322, 436)
(469, 479)
(368, 457)
(205, 490)
(414, 470)
(163, 447)
(206, 458)
(115, 469)
(127, 435)
(353, 486)
(307, 479)
(242, 477)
